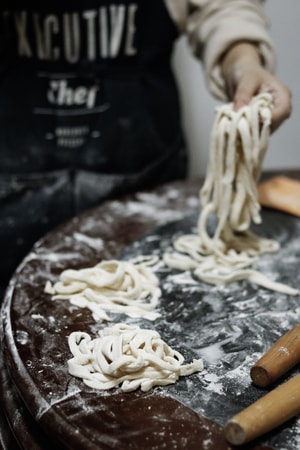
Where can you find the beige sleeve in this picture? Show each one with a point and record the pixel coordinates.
(212, 26)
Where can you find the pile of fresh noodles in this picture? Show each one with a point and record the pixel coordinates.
(110, 286)
(126, 356)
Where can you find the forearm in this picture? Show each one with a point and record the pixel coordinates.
(214, 26)
(231, 38)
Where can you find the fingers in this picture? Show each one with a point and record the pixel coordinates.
(258, 81)
(282, 103)
(245, 77)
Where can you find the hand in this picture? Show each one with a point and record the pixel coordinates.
(245, 77)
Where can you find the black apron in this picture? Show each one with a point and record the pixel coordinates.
(88, 110)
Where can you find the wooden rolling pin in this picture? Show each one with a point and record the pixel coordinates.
(281, 357)
(267, 413)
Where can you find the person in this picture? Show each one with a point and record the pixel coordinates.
(89, 106)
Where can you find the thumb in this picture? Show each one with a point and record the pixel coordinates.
(244, 92)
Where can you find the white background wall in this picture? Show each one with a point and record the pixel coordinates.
(199, 105)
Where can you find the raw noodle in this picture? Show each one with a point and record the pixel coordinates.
(238, 146)
(126, 356)
(114, 286)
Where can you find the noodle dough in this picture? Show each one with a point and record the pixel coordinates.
(114, 286)
(127, 356)
(238, 145)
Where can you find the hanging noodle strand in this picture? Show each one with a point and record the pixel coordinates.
(239, 142)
